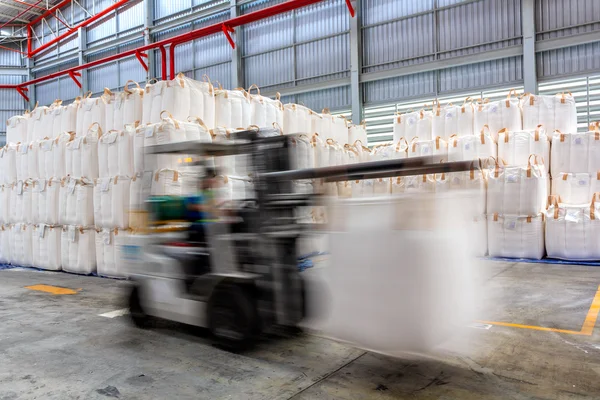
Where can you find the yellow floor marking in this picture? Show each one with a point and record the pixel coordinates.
(52, 289)
(586, 330)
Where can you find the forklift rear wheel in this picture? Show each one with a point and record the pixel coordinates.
(233, 317)
(138, 316)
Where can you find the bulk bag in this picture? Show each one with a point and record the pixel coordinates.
(357, 189)
(20, 202)
(78, 249)
(138, 132)
(423, 125)
(233, 189)
(265, 111)
(516, 236)
(106, 254)
(115, 154)
(68, 117)
(339, 128)
(438, 148)
(51, 156)
(51, 121)
(442, 182)
(132, 105)
(335, 153)
(5, 239)
(350, 155)
(232, 109)
(512, 118)
(91, 112)
(22, 251)
(516, 190)
(16, 129)
(344, 189)
(169, 182)
(409, 122)
(575, 188)
(152, 102)
(27, 161)
(321, 124)
(359, 132)
(515, 147)
(110, 107)
(176, 97)
(575, 152)
(438, 121)
(465, 120)
(364, 153)
(8, 163)
(385, 152)
(202, 101)
(320, 151)
(464, 148)
(111, 202)
(480, 114)
(398, 185)
(572, 231)
(139, 191)
(565, 113)
(224, 165)
(399, 128)
(382, 187)
(81, 154)
(35, 125)
(76, 202)
(46, 195)
(419, 184)
(45, 243)
(296, 119)
(5, 195)
(303, 155)
(450, 116)
(539, 110)
(474, 180)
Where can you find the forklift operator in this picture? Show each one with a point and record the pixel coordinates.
(200, 208)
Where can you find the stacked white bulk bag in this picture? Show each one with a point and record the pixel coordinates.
(152, 101)
(232, 109)
(5, 195)
(115, 154)
(35, 126)
(498, 115)
(45, 197)
(177, 97)
(296, 119)
(399, 127)
(516, 190)
(5, 241)
(265, 111)
(45, 244)
(302, 154)
(51, 156)
(350, 155)
(386, 152)
(423, 125)
(382, 186)
(81, 154)
(472, 147)
(553, 112)
(16, 129)
(170, 182)
(419, 184)
(438, 120)
(575, 188)
(21, 252)
(515, 147)
(225, 165)
(575, 152)
(573, 231)
(78, 249)
(405, 125)
(20, 202)
(335, 153)
(123, 108)
(357, 132)
(320, 151)
(202, 101)
(565, 113)
(8, 163)
(76, 202)
(516, 236)
(329, 126)
(51, 121)
(480, 114)
(474, 180)
(139, 191)
(232, 188)
(107, 263)
(111, 202)
(68, 117)
(465, 119)
(91, 112)
(438, 148)
(27, 161)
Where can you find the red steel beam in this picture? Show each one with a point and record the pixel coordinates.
(174, 41)
(74, 29)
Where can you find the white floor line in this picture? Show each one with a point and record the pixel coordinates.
(116, 313)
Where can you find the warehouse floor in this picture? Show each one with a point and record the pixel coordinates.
(56, 346)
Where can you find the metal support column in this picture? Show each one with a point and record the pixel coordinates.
(237, 73)
(529, 60)
(82, 43)
(148, 24)
(356, 64)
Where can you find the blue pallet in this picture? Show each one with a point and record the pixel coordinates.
(545, 261)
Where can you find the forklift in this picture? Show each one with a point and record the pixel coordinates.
(243, 278)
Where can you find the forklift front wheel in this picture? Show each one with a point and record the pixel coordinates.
(233, 317)
(138, 316)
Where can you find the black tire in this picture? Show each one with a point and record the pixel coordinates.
(138, 315)
(233, 317)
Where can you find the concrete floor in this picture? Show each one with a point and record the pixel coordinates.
(58, 347)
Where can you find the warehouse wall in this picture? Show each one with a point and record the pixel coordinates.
(11, 102)
(411, 51)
